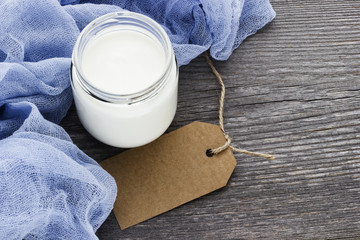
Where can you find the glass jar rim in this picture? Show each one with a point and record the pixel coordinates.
(123, 17)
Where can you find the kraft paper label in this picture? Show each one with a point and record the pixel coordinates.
(172, 170)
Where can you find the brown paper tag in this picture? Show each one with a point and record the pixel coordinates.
(168, 172)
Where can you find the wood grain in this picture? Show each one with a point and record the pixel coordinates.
(293, 89)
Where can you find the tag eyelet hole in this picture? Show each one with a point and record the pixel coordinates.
(209, 153)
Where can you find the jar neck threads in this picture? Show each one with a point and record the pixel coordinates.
(122, 21)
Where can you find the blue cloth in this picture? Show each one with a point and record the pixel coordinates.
(49, 189)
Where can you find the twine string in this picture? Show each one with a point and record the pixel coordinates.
(227, 144)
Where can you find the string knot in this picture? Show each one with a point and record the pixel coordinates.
(215, 151)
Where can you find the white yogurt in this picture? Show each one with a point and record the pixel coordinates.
(123, 62)
(124, 79)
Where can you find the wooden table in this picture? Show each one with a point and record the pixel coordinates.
(293, 89)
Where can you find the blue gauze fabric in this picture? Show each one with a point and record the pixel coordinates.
(49, 189)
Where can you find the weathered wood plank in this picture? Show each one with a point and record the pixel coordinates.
(293, 90)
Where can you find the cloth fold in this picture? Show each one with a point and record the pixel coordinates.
(48, 187)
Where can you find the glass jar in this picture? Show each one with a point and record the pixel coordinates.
(124, 78)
